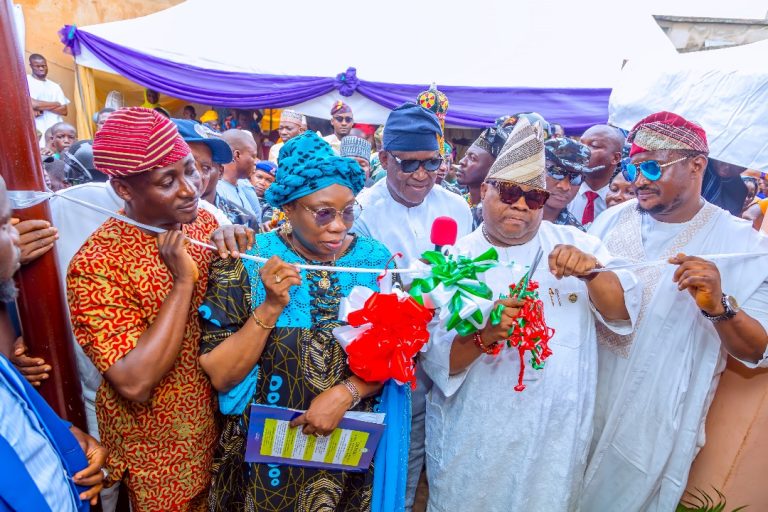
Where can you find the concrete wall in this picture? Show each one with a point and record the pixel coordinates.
(694, 34)
(44, 18)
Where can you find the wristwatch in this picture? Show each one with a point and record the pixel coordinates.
(731, 308)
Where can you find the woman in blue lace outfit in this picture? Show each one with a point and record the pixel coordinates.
(267, 339)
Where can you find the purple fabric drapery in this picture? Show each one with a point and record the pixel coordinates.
(575, 109)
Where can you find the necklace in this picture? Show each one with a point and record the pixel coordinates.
(488, 238)
(325, 282)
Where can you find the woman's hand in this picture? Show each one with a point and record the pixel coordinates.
(278, 277)
(325, 412)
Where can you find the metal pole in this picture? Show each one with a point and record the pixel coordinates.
(42, 307)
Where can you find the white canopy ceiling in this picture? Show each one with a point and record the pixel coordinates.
(726, 91)
(484, 43)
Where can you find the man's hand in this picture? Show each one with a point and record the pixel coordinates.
(567, 260)
(36, 237)
(232, 240)
(490, 334)
(33, 369)
(172, 246)
(92, 476)
(325, 411)
(702, 280)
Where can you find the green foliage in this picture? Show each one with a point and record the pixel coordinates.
(703, 502)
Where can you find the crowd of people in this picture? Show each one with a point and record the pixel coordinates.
(175, 341)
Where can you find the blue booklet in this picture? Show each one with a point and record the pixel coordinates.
(350, 447)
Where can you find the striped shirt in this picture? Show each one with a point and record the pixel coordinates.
(27, 436)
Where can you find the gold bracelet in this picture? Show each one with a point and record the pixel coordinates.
(260, 323)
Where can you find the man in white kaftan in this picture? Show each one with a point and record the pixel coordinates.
(656, 385)
(490, 447)
(399, 211)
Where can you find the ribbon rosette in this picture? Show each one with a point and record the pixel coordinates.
(385, 332)
(453, 286)
(530, 332)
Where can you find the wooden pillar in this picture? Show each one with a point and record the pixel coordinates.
(42, 306)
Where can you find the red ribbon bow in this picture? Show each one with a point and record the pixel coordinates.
(530, 331)
(398, 332)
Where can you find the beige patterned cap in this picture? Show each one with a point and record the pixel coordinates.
(522, 158)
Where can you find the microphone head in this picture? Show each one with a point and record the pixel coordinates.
(444, 231)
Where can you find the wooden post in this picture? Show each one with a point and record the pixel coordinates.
(42, 306)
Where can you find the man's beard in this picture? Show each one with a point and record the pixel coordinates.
(8, 291)
(656, 209)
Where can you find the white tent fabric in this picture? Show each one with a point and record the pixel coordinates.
(725, 91)
(485, 43)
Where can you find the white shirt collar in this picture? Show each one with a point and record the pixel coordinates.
(586, 188)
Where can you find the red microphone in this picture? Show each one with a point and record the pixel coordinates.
(444, 232)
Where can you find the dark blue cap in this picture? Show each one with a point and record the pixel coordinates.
(266, 166)
(192, 131)
(411, 127)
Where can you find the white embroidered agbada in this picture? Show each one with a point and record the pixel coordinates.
(492, 448)
(655, 386)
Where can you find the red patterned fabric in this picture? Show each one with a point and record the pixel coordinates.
(136, 140)
(665, 130)
(116, 285)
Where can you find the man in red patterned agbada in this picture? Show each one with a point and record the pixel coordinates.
(133, 297)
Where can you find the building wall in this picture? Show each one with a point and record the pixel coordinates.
(694, 34)
(44, 18)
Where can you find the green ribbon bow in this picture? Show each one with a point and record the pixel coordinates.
(453, 284)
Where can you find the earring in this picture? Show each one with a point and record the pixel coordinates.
(286, 229)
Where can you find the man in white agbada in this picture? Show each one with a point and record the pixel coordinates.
(655, 386)
(399, 212)
(492, 448)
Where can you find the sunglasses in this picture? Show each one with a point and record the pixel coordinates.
(509, 193)
(326, 215)
(558, 173)
(409, 166)
(343, 119)
(651, 169)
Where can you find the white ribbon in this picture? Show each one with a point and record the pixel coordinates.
(21, 199)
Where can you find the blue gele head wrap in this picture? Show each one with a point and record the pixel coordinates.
(307, 164)
(411, 127)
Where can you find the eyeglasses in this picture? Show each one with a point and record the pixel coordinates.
(558, 173)
(343, 119)
(409, 166)
(326, 215)
(510, 193)
(651, 169)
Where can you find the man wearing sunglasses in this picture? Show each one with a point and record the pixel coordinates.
(475, 418)
(566, 162)
(399, 211)
(655, 386)
(342, 122)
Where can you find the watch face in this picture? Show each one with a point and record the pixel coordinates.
(732, 302)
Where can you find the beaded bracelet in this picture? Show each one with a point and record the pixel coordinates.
(353, 390)
(260, 323)
(492, 349)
